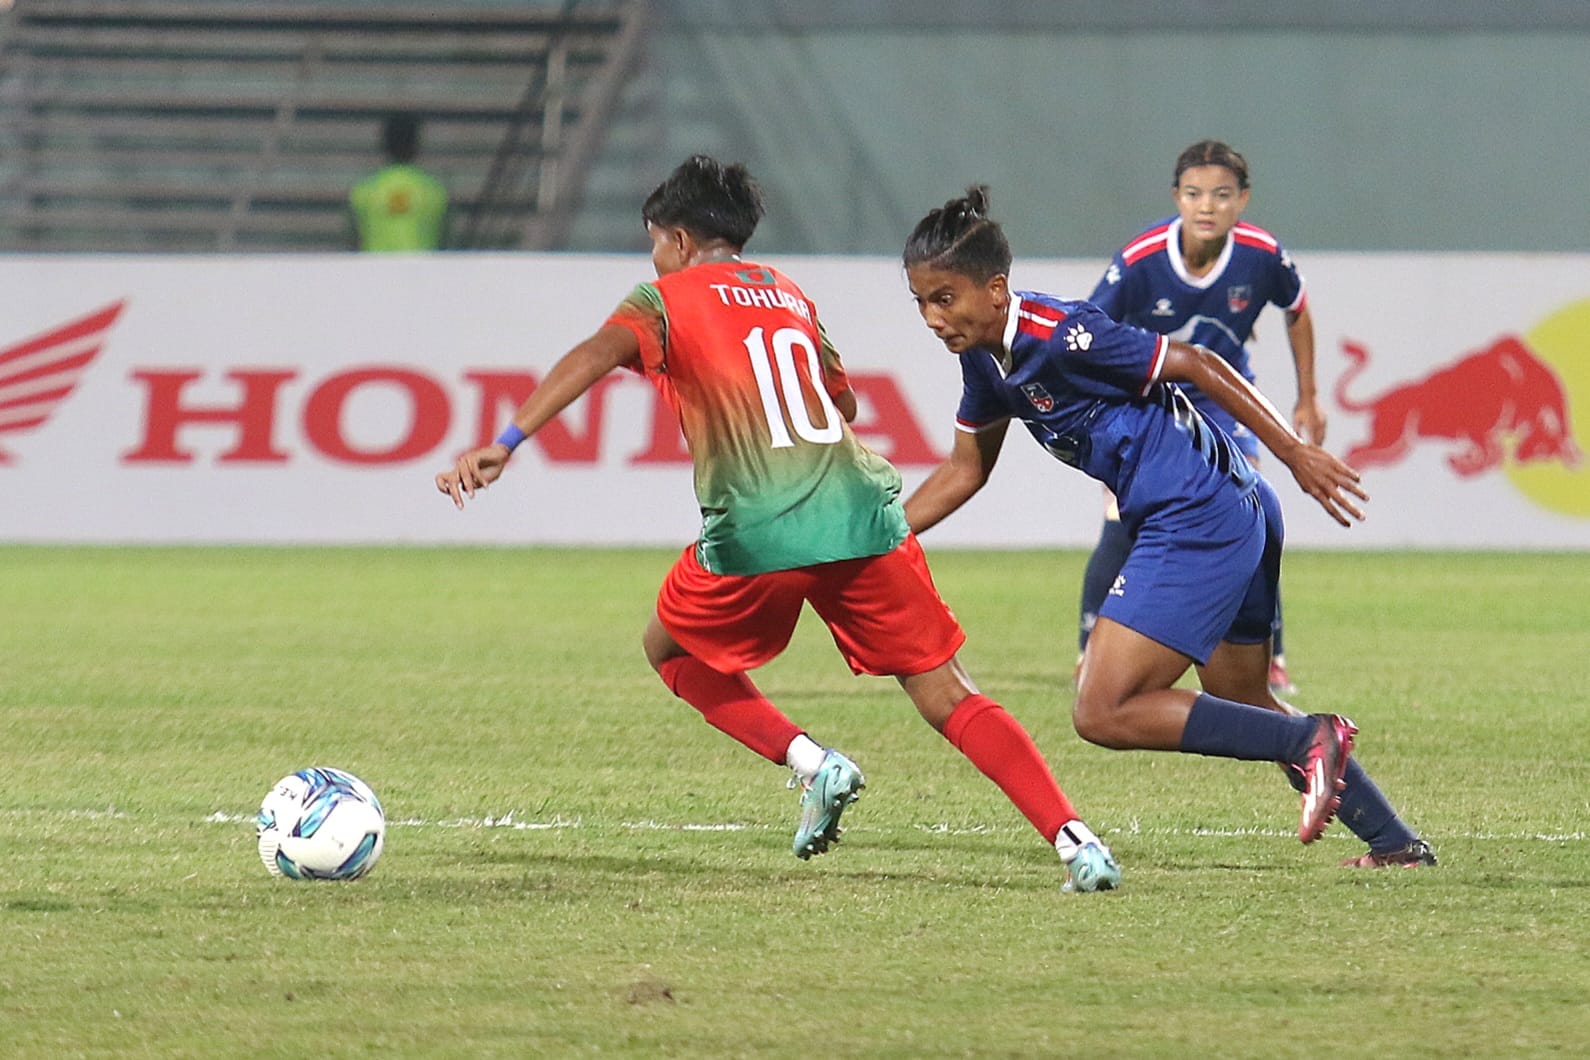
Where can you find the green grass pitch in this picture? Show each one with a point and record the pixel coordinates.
(577, 865)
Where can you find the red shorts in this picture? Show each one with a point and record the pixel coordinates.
(883, 611)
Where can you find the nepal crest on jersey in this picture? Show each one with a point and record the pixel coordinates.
(1237, 298)
(1039, 397)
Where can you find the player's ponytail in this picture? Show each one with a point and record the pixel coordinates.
(960, 237)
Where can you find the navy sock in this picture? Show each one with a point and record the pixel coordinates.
(1368, 814)
(1223, 729)
(1109, 555)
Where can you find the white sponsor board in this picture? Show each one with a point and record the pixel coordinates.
(312, 399)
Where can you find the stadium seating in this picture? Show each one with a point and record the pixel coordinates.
(204, 125)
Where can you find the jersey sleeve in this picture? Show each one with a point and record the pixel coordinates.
(1111, 293)
(981, 405)
(1289, 291)
(643, 312)
(1116, 357)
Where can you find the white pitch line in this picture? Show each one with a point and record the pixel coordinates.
(510, 821)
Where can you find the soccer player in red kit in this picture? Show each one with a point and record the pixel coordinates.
(794, 510)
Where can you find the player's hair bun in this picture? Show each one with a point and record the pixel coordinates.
(961, 236)
(960, 214)
(976, 201)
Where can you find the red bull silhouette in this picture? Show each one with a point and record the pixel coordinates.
(1486, 399)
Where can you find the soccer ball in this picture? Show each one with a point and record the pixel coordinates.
(320, 824)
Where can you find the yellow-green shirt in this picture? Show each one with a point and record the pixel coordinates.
(399, 207)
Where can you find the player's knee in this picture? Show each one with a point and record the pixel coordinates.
(656, 663)
(658, 649)
(1094, 718)
(938, 692)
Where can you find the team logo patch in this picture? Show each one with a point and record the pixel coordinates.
(1039, 397)
(1237, 298)
(1162, 308)
(1112, 275)
(1078, 338)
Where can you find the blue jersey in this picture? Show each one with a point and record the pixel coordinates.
(1089, 390)
(1147, 284)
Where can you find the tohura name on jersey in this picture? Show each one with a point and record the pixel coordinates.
(763, 297)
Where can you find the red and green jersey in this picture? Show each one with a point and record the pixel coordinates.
(782, 481)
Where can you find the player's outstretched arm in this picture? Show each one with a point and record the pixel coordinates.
(1332, 483)
(953, 482)
(1320, 474)
(1309, 417)
(835, 380)
(575, 373)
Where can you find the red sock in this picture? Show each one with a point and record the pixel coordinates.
(985, 732)
(730, 702)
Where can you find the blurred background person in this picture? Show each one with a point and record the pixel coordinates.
(400, 206)
(1204, 276)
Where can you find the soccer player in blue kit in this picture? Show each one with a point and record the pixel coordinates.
(1198, 585)
(1203, 277)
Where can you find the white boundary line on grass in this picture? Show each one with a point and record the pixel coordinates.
(556, 823)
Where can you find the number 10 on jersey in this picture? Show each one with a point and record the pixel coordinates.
(781, 362)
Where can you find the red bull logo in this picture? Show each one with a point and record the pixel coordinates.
(1483, 401)
(1507, 406)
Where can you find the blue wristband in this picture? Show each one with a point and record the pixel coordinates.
(511, 436)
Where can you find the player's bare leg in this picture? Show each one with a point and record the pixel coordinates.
(1124, 697)
(1241, 672)
(1126, 701)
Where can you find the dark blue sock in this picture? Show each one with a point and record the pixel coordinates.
(1368, 814)
(1109, 555)
(1224, 729)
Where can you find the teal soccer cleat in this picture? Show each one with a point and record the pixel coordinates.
(1093, 869)
(838, 783)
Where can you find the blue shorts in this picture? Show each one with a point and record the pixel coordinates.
(1245, 439)
(1195, 578)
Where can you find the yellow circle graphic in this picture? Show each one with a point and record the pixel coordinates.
(1562, 341)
